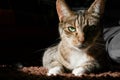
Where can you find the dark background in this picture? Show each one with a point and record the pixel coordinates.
(27, 27)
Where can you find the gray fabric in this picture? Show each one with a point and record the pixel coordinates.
(112, 38)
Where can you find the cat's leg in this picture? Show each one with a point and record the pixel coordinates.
(56, 68)
(79, 71)
(50, 61)
(53, 66)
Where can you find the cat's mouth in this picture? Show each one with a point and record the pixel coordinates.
(82, 46)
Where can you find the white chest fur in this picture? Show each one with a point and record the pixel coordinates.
(78, 58)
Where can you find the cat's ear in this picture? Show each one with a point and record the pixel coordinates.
(97, 7)
(63, 10)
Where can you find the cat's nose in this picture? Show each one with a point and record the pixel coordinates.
(81, 40)
(80, 37)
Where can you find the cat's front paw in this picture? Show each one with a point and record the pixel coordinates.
(54, 71)
(78, 71)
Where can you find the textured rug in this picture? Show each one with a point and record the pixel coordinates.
(39, 73)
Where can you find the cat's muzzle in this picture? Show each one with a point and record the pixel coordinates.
(82, 46)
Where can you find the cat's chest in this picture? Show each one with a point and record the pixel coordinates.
(78, 58)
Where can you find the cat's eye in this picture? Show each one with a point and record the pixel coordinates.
(72, 29)
(92, 28)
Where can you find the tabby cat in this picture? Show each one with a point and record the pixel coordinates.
(81, 49)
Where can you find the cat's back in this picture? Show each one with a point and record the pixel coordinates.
(49, 55)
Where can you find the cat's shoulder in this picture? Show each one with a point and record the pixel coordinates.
(51, 50)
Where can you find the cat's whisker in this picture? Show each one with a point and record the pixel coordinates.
(99, 47)
(53, 44)
(102, 44)
(99, 40)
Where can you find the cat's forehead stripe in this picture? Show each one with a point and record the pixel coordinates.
(77, 21)
(80, 20)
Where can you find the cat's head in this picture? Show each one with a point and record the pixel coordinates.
(81, 28)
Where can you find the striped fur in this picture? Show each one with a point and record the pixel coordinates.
(81, 47)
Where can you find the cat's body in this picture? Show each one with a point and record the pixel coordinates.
(81, 49)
